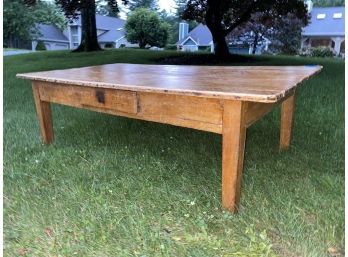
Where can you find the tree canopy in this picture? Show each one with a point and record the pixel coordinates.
(223, 16)
(144, 27)
(87, 9)
(21, 17)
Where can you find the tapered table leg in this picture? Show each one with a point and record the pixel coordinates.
(233, 144)
(286, 122)
(44, 115)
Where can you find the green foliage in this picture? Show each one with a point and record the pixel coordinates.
(286, 38)
(170, 47)
(49, 14)
(18, 21)
(321, 52)
(40, 46)
(222, 17)
(144, 27)
(105, 9)
(113, 186)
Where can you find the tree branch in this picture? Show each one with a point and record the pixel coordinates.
(245, 17)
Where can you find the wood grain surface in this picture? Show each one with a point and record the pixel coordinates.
(246, 83)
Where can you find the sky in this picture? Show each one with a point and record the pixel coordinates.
(167, 4)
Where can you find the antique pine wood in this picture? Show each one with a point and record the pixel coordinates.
(286, 122)
(219, 99)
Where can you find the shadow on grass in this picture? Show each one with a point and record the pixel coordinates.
(209, 59)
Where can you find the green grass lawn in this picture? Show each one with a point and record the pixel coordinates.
(112, 186)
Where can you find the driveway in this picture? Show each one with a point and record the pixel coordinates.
(13, 52)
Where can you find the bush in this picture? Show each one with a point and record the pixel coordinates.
(204, 48)
(40, 46)
(109, 45)
(321, 52)
(170, 47)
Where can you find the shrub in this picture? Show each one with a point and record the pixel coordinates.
(109, 45)
(170, 47)
(40, 46)
(321, 52)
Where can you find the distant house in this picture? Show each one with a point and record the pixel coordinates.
(199, 37)
(52, 37)
(326, 28)
(110, 33)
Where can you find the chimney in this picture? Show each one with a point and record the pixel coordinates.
(183, 30)
(309, 5)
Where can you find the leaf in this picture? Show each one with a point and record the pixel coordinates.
(22, 251)
(333, 251)
(48, 232)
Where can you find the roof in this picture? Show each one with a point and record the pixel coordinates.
(327, 26)
(50, 32)
(111, 35)
(200, 34)
(105, 22)
(113, 27)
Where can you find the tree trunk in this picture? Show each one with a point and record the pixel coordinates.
(89, 40)
(220, 45)
(142, 44)
(214, 19)
(256, 38)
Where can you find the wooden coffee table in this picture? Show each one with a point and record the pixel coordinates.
(219, 99)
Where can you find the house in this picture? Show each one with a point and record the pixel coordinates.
(110, 33)
(326, 28)
(199, 37)
(52, 37)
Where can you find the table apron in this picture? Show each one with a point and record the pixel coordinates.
(185, 111)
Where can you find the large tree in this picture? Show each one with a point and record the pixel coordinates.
(223, 16)
(286, 36)
(18, 22)
(253, 32)
(21, 17)
(87, 9)
(144, 27)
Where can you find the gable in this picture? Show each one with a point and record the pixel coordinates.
(189, 42)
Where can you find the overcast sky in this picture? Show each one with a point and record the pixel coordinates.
(167, 4)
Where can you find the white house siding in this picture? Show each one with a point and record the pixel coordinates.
(189, 48)
(52, 45)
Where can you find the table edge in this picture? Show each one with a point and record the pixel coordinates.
(271, 98)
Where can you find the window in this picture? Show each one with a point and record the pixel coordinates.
(321, 16)
(337, 15)
(75, 39)
(73, 30)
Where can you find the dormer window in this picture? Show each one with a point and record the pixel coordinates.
(337, 15)
(321, 16)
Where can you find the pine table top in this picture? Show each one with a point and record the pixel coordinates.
(266, 84)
